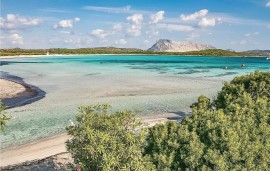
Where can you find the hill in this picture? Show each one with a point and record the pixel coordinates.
(259, 52)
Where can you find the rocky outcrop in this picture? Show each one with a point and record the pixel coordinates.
(164, 45)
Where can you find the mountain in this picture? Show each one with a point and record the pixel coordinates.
(164, 45)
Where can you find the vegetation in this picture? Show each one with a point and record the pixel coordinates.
(3, 117)
(230, 133)
(101, 141)
(112, 50)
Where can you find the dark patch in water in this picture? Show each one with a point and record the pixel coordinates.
(92, 74)
(225, 74)
(2, 63)
(155, 68)
(192, 71)
(141, 61)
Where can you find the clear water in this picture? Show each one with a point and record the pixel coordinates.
(153, 84)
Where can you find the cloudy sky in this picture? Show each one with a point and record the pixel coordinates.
(226, 24)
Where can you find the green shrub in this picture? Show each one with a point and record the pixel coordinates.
(3, 117)
(234, 136)
(104, 141)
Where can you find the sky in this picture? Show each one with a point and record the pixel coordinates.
(227, 24)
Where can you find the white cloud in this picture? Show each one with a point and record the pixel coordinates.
(75, 41)
(194, 16)
(136, 18)
(63, 24)
(134, 30)
(54, 40)
(66, 23)
(126, 9)
(16, 39)
(176, 27)
(121, 42)
(99, 33)
(252, 34)
(11, 17)
(135, 22)
(268, 4)
(117, 27)
(147, 42)
(157, 17)
(77, 19)
(204, 22)
(68, 41)
(15, 22)
(66, 32)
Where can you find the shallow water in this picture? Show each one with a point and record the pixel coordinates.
(153, 84)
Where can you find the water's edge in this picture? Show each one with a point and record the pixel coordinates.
(36, 92)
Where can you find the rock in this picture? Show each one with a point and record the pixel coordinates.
(164, 45)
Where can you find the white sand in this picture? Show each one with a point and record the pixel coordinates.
(33, 151)
(9, 89)
(54, 145)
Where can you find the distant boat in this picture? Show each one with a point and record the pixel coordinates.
(267, 58)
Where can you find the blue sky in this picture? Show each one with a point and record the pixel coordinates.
(227, 24)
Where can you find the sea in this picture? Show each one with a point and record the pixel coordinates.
(151, 85)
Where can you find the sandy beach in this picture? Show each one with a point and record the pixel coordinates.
(15, 92)
(50, 146)
(55, 145)
(9, 89)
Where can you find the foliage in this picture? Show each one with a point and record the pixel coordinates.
(3, 117)
(104, 141)
(113, 50)
(257, 85)
(233, 136)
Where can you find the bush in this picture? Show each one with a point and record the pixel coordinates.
(3, 117)
(104, 141)
(234, 136)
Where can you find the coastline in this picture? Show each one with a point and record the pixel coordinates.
(55, 145)
(28, 95)
(56, 55)
(52, 146)
(18, 155)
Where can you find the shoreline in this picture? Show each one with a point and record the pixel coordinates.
(30, 94)
(46, 148)
(54, 145)
(56, 55)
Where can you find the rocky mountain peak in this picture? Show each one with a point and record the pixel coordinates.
(165, 45)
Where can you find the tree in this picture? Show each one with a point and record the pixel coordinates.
(3, 117)
(235, 135)
(104, 141)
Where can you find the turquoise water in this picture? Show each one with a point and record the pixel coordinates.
(153, 84)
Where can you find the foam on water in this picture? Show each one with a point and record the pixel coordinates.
(152, 84)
